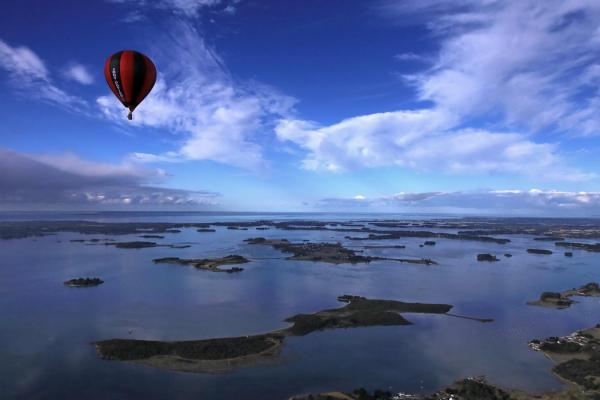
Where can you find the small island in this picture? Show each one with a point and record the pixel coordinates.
(383, 246)
(135, 244)
(83, 282)
(539, 251)
(487, 257)
(132, 245)
(209, 264)
(560, 300)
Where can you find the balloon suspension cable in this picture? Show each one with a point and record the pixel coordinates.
(130, 115)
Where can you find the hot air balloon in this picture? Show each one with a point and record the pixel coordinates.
(131, 76)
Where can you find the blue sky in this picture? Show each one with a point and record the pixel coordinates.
(487, 106)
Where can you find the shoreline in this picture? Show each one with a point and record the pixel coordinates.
(577, 356)
(213, 355)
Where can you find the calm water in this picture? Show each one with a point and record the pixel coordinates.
(46, 328)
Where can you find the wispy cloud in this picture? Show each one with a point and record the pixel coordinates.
(79, 73)
(28, 75)
(410, 56)
(59, 180)
(526, 202)
(532, 64)
(188, 8)
(499, 62)
(219, 118)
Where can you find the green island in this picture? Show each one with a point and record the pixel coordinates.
(487, 257)
(539, 251)
(563, 299)
(83, 282)
(224, 354)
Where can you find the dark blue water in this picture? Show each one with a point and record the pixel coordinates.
(46, 328)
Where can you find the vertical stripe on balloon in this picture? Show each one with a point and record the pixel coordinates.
(139, 67)
(127, 75)
(115, 75)
(108, 76)
(149, 79)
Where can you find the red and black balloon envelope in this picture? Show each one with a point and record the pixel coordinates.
(131, 76)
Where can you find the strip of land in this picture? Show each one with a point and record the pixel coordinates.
(223, 354)
(209, 264)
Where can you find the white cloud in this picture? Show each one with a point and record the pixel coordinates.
(219, 119)
(230, 9)
(79, 73)
(153, 158)
(410, 56)
(526, 202)
(527, 66)
(365, 141)
(29, 77)
(22, 61)
(417, 140)
(529, 61)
